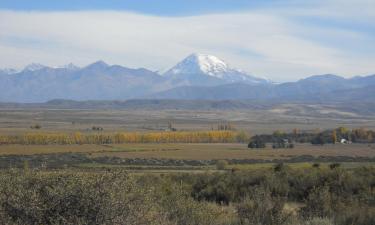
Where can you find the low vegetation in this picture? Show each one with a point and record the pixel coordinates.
(276, 196)
(36, 126)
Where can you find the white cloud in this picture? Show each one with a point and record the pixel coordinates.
(269, 43)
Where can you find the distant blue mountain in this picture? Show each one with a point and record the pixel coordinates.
(198, 76)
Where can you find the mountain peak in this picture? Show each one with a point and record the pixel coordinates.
(209, 66)
(200, 63)
(70, 66)
(34, 67)
(323, 77)
(98, 65)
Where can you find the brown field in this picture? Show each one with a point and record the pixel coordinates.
(47, 149)
(233, 151)
(285, 117)
(193, 151)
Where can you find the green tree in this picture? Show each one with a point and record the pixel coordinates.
(256, 142)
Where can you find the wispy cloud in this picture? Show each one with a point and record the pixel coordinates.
(283, 43)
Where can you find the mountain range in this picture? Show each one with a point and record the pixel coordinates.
(198, 76)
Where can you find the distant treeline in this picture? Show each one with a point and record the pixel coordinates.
(360, 135)
(126, 137)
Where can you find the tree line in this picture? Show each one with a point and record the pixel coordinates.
(126, 137)
(331, 136)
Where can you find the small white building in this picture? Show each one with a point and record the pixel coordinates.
(344, 141)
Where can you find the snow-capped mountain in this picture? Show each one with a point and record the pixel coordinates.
(202, 69)
(198, 76)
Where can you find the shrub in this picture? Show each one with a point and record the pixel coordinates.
(318, 221)
(334, 165)
(261, 208)
(181, 209)
(316, 165)
(36, 126)
(67, 198)
(318, 203)
(279, 167)
(221, 164)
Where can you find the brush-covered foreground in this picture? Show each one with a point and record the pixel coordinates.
(274, 196)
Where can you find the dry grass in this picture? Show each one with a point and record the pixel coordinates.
(192, 151)
(47, 149)
(232, 151)
(16, 121)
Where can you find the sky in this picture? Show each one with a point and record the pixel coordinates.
(283, 40)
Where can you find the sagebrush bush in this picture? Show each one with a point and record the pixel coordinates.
(261, 208)
(262, 197)
(318, 221)
(68, 198)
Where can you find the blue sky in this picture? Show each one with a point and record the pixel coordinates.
(279, 39)
(155, 7)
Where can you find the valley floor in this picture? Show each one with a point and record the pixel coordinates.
(266, 119)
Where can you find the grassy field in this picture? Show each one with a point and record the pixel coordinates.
(232, 151)
(193, 151)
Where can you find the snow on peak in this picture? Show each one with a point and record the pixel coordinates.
(34, 67)
(209, 65)
(201, 63)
